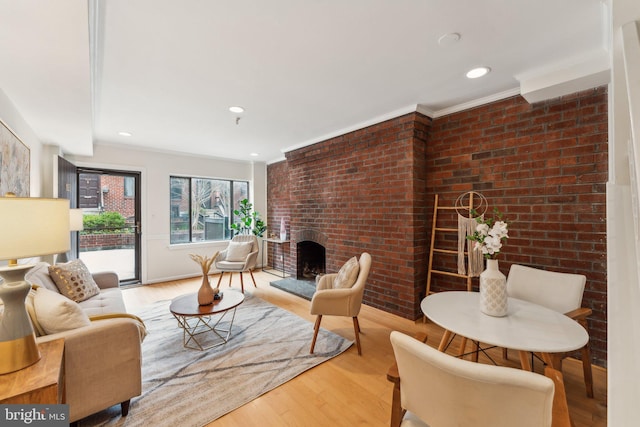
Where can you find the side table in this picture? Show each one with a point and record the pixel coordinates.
(278, 244)
(40, 383)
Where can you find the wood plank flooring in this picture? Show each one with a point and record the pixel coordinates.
(350, 389)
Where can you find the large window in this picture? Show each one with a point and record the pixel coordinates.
(202, 208)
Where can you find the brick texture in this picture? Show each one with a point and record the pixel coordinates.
(543, 165)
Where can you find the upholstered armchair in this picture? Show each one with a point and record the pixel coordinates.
(340, 294)
(561, 292)
(432, 388)
(241, 255)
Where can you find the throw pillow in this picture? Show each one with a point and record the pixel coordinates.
(39, 275)
(74, 280)
(57, 313)
(238, 251)
(347, 275)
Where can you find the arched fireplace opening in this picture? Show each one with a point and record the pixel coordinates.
(311, 258)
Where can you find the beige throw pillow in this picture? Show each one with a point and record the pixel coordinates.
(347, 275)
(74, 280)
(238, 251)
(57, 313)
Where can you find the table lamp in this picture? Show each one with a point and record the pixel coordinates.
(29, 227)
(75, 224)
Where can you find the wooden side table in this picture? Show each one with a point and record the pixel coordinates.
(40, 383)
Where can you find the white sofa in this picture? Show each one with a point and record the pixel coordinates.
(102, 361)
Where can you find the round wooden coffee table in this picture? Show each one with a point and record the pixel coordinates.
(197, 319)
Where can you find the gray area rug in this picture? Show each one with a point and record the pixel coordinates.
(302, 288)
(268, 347)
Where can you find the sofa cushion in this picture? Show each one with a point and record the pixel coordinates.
(56, 313)
(74, 280)
(39, 275)
(238, 251)
(347, 275)
(108, 301)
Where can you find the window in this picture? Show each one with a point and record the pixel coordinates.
(129, 186)
(202, 208)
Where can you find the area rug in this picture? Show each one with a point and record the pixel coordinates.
(268, 347)
(302, 288)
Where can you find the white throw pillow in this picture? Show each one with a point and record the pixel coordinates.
(57, 313)
(238, 251)
(347, 275)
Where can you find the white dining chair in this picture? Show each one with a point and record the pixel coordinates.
(432, 388)
(561, 292)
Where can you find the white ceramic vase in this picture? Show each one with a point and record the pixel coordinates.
(283, 231)
(493, 290)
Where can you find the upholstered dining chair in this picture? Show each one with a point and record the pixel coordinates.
(240, 256)
(432, 388)
(561, 292)
(340, 294)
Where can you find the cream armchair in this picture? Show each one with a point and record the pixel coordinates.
(241, 255)
(432, 388)
(333, 300)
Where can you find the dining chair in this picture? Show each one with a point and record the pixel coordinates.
(432, 388)
(240, 256)
(340, 294)
(561, 292)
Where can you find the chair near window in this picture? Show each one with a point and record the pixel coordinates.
(432, 388)
(239, 257)
(561, 292)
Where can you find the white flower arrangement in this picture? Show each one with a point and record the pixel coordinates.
(490, 234)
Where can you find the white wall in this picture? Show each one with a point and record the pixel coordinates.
(160, 260)
(623, 292)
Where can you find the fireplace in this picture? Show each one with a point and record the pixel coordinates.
(310, 260)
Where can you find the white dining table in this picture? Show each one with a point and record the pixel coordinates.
(527, 327)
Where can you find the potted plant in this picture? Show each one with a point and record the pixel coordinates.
(248, 221)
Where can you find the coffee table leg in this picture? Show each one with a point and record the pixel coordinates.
(202, 325)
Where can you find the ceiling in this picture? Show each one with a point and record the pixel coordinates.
(167, 71)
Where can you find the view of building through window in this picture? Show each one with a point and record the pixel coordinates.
(202, 208)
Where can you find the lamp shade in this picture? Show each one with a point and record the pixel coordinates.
(75, 220)
(32, 227)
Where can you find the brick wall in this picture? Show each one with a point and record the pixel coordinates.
(361, 192)
(544, 166)
(114, 199)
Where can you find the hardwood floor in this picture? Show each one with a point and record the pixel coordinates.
(350, 389)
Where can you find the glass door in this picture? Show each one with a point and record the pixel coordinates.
(111, 235)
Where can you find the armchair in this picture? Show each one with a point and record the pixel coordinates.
(433, 388)
(561, 292)
(333, 300)
(240, 256)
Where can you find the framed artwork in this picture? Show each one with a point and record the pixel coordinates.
(14, 163)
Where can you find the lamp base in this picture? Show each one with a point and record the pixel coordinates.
(15, 273)
(18, 347)
(18, 354)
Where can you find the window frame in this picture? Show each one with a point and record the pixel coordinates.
(190, 189)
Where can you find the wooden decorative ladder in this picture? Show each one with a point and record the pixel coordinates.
(436, 230)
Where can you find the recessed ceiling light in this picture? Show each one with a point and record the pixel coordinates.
(236, 109)
(478, 72)
(124, 133)
(254, 154)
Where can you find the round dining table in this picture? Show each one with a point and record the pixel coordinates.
(527, 327)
